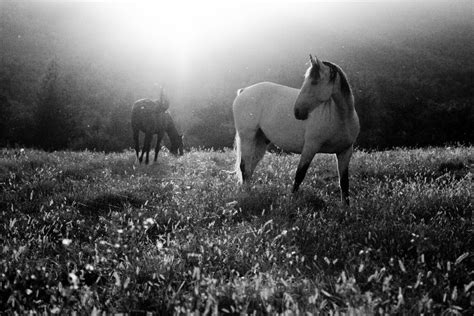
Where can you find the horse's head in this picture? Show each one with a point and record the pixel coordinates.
(181, 146)
(317, 88)
(177, 147)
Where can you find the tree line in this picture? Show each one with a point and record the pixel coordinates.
(74, 110)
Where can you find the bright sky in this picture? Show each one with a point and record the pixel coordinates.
(182, 32)
(184, 27)
(169, 36)
(187, 27)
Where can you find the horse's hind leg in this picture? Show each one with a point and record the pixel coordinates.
(343, 159)
(247, 147)
(136, 137)
(146, 147)
(261, 143)
(252, 148)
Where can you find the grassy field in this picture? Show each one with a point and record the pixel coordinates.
(90, 232)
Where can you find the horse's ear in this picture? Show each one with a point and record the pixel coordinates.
(166, 104)
(163, 103)
(316, 62)
(320, 63)
(162, 94)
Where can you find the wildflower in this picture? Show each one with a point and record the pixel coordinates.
(232, 204)
(67, 242)
(73, 280)
(149, 221)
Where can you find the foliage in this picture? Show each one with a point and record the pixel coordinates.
(89, 232)
(432, 111)
(52, 116)
(213, 128)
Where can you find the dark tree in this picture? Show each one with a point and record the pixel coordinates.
(5, 118)
(214, 128)
(52, 131)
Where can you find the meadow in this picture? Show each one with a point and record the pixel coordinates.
(87, 232)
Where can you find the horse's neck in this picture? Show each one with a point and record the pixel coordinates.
(344, 104)
(172, 131)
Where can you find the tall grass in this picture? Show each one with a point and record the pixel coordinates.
(91, 232)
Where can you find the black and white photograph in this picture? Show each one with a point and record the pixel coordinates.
(236, 157)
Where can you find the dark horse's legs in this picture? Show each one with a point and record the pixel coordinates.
(146, 147)
(159, 137)
(343, 159)
(136, 137)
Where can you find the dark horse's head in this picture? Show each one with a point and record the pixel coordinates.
(177, 147)
(176, 139)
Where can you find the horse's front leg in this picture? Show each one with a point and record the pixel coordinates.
(159, 137)
(343, 159)
(306, 157)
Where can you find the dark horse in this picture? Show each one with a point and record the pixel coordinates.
(152, 117)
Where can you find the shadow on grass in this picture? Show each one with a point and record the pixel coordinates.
(261, 201)
(106, 202)
(454, 167)
(256, 202)
(308, 199)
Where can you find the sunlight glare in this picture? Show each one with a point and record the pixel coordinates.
(174, 29)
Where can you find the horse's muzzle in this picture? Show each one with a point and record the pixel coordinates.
(301, 114)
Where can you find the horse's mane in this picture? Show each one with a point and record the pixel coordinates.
(171, 127)
(334, 71)
(173, 134)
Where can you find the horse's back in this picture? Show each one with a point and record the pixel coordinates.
(263, 98)
(145, 117)
(143, 104)
(269, 107)
(247, 106)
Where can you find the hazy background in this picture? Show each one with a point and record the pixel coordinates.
(69, 72)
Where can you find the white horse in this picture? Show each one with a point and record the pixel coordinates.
(318, 118)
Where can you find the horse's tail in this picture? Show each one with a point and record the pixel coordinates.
(238, 157)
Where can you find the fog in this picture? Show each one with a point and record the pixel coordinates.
(191, 47)
(201, 52)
